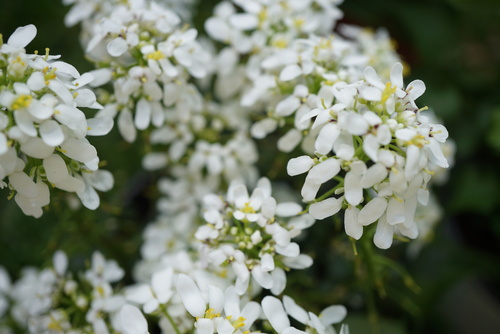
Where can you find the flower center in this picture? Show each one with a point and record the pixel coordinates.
(247, 208)
(157, 55)
(238, 323)
(388, 91)
(22, 101)
(210, 314)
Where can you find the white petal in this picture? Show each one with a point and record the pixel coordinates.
(100, 77)
(263, 127)
(65, 68)
(397, 75)
(85, 98)
(267, 262)
(142, 114)
(217, 29)
(117, 47)
(101, 180)
(35, 147)
(295, 311)
(78, 150)
(302, 261)
(205, 326)
(299, 165)
(60, 261)
(190, 295)
(275, 313)
(370, 93)
(279, 279)
(243, 21)
(374, 175)
(417, 89)
(132, 320)
(215, 298)
(22, 36)
(290, 140)
(139, 293)
(372, 211)
(99, 126)
(224, 327)
(73, 184)
(287, 106)
(288, 209)
(352, 188)
(25, 123)
(51, 133)
(23, 184)
(290, 72)
(251, 312)
(333, 314)
(325, 208)
(324, 171)
(354, 123)
(89, 197)
(351, 225)
(36, 81)
(55, 168)
(412, 160)
(437, 155)
(383, 234)
(405, 134)
(264, 279)
(73, 118)
(372, 77)
(126, 126)
(371, 146)
(326, 138)
(395, 211)
(397, 180)
(309, 190)
(61, 91)
(3, 145)
(384, 134)
(288, 249)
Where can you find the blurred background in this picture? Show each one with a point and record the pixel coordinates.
(454, 47)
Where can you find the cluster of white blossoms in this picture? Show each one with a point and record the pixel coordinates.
(248, 234)
(216, 257)
(43, 130)
(52, 300)
(139, 46)
(381, 150)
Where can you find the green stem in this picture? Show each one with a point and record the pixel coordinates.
(170, 319)
(372, 278)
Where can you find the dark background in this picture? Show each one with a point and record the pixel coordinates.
(453, 46)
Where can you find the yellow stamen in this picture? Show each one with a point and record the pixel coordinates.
(157, 55)
(248, 208)
(299, 22)
(22, 101)
(210, 314)
(388, 91)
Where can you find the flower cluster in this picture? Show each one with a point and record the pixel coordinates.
(249, 234)
(52, 300)
(216, 257)
(43, 130)
(141, 48)
(378, 146)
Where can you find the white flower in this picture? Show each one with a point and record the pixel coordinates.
(322, 324)
(275, 313)
(103, 270)
(151, 296)
(132, 320)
